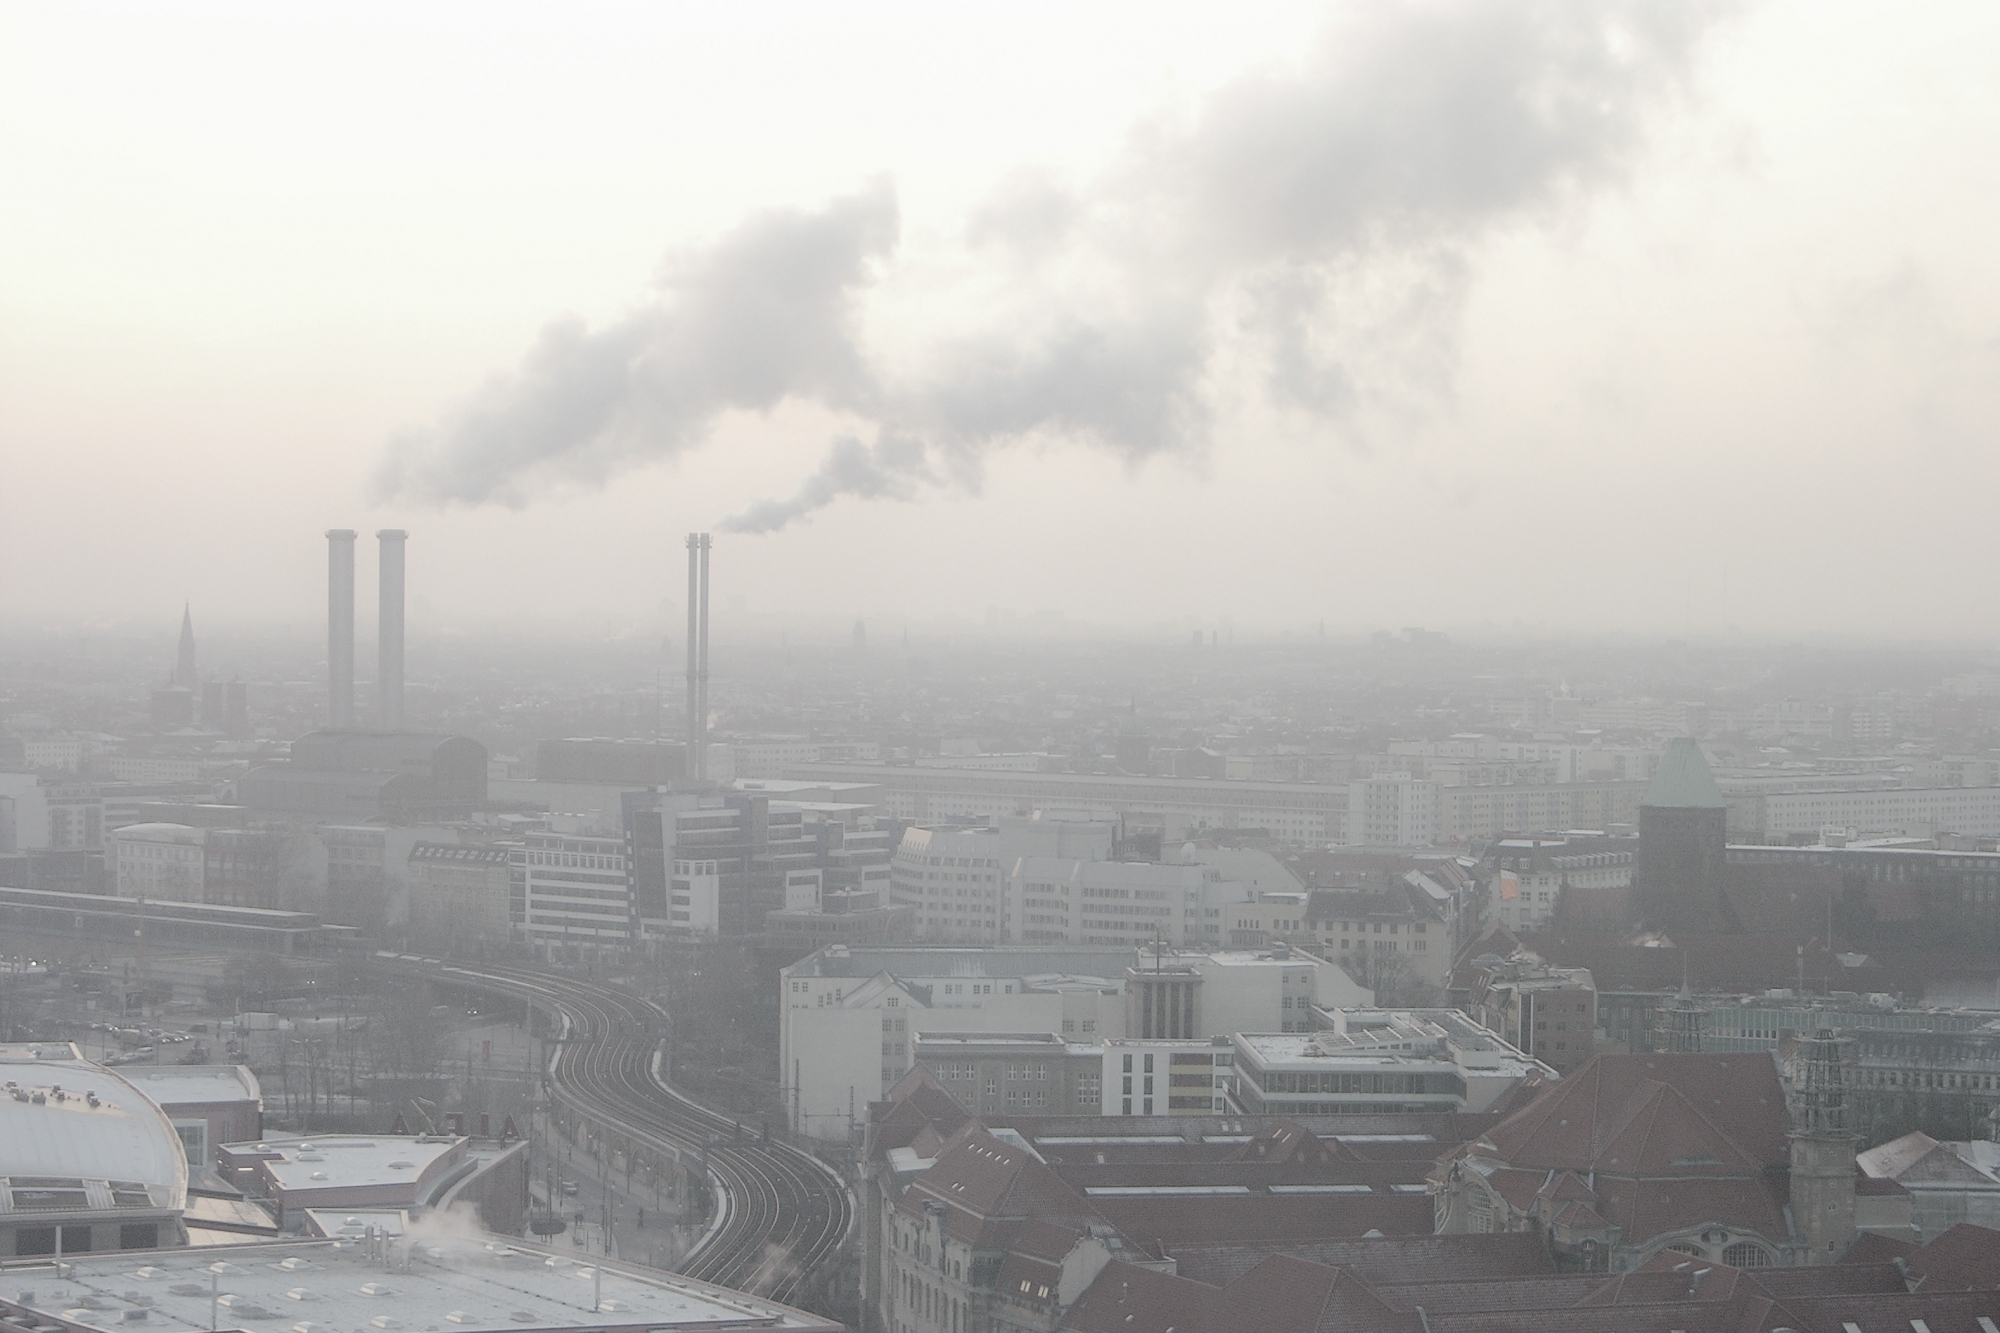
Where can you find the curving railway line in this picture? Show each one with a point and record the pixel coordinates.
(783, 1214)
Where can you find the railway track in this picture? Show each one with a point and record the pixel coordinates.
(784, 1212)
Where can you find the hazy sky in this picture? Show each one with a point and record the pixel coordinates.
(1382, 314)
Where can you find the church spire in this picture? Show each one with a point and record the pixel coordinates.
(184, 669)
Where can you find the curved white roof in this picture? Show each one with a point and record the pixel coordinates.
(63, 1118)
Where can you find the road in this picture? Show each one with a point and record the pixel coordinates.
(785, 1214)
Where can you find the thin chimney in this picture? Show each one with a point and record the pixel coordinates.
(389, 672)
(694, 736)
(340, 628)
(704, 657)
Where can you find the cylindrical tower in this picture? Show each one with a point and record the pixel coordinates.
(701, 761)
(389, 671)
(693, 766)
(340, 628)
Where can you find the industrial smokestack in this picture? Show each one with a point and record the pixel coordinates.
(704, 657)
(697, 656)
(693, 765)
(389, 671)
(340, 628)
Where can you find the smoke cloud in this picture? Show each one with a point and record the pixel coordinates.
(765, 314)
(1313, 229)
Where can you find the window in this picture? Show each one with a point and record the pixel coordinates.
(139, 1236)
(194, 1143)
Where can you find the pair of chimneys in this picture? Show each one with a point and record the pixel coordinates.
(340, 629)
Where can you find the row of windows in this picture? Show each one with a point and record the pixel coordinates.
(576, 861)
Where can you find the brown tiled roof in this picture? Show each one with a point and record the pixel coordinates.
(1027, 1274)
(1870, 1248)
(1043, 1239)
(1565, 1185)
(917, 1113)
(1665, 1141)
(990, 1187)
(1383, 1260)
(1943, 1312)
(1281, 1139)
(1154, 1220)
(1672, 1292)
(1966, 1257)
(1832, 1280)
(1280, 1295)
(1254, 1174)
(1580, 1216)
(1634, 1113)
(1128, 1299)
(1670, 1276)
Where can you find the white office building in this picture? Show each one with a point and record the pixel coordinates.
(1378, 1062)
(1392, 810)
(955, 878)
(1168, 1077)
(577, 891)
(1118, 903)
(849, 1017)
(159, 861)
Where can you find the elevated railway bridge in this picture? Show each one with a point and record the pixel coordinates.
(780, 1214)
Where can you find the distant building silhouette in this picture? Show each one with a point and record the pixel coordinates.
(1134, 748)
(1682, 828)
(185, 675)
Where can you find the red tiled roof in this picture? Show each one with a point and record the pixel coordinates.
(1166, 1220)
(1665, 1141)
(1280, 1295)
(1636, 1113)
(1383, 1260)
(1283, 1140)
(1966, 1257)
(984, 1182)
(1129, 1299)
(1870, 1248)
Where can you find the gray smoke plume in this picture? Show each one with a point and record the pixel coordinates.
(763, 315)
(885, 469)
(1315, 228)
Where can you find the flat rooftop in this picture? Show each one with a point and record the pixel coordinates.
(195, 1085)
(336, 1161)
(436, 1280)
(922, 962)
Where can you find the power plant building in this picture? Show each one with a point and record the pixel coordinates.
(401, 777)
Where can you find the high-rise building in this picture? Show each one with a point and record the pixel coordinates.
(1682, 836)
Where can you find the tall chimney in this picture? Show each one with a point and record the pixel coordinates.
(694, 747)
(389, 672)
(704, 657)
(340, 628)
